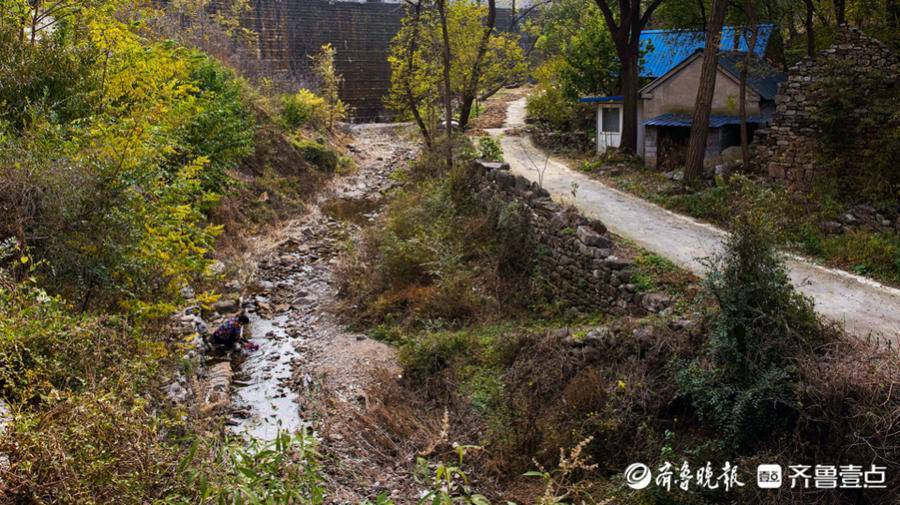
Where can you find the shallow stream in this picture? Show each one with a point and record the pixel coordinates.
(263, 402)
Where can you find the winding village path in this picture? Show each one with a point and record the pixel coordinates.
(865, 307)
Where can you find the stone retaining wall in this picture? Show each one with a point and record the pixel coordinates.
(788, 149)
(575, 254)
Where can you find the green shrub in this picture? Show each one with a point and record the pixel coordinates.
(222, 128)
(304, 108)
(318, 154)
(283, 471)
(858, 151)
(549, 106)
(45, 350)
(865, 253)
(439, 255)
(55, 75)
(744, 383)
(427, 355)
(489, 148)
(96, 447)
(650, 268)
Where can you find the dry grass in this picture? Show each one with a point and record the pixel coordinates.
(493, 113)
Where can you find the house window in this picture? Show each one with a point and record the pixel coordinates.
(611, 119)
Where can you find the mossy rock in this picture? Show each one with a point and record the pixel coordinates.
(317, 154)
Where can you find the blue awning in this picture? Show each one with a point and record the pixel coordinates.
(671, 119)
(600, 99)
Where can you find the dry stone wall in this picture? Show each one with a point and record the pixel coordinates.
(788, 149)
(576, 255)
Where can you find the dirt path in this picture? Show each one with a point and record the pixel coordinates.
(310, 369)
(864, 306)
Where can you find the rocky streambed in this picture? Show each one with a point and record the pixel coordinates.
(303, 348)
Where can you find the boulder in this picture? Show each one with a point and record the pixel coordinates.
(589, 237)
(617, 263)
(675, 175)
(226, 305)
(848, 219)
(187, 292)
(831, 227)
(216, 268)
(732, 155)
(655, 302)
(709, 165)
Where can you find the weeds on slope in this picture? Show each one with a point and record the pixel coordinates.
(759, 379)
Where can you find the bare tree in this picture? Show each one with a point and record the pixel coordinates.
(448, 99)
(626, 33)
(705, 91)
(411, 47)
(470, 89)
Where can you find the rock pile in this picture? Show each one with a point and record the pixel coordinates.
(861, 217)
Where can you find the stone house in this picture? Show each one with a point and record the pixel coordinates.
(788, 149)
(671, 63)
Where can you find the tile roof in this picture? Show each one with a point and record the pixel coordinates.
(663, 49)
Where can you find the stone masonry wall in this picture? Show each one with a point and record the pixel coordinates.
(788, 149)
(575, 254)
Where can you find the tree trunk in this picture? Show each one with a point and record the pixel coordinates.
(748, 60)
(628, 144)
(626, 34)
(839, 12)
(700, 120)
(470, 91)
(810, 29)
(34, 20)
(411, 101)
(448, 99)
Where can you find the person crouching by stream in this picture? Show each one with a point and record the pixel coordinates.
(231, 333)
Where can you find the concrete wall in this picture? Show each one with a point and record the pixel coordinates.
(679, 92)
(290, 31)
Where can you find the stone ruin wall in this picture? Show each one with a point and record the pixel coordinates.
(577, 255)
(788, 149)
(290, 31)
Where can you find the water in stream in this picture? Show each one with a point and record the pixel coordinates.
(264, 402)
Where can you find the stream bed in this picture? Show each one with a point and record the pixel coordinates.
(263, 403)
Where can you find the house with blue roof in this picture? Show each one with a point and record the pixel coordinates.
(671, 61)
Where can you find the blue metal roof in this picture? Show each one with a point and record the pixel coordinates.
(761, 77)
(672, 119)
(600, 99)
(663, 49)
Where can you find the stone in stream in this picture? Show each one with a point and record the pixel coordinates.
(226, 306)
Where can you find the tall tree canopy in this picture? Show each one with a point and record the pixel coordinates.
(625, 20)
(483, 59)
